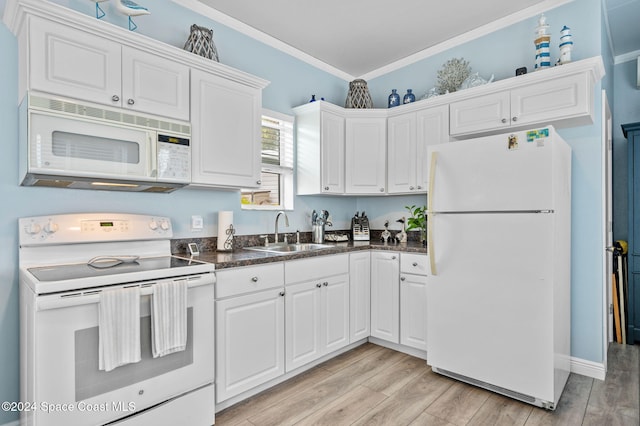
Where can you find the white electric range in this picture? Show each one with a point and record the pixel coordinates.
(65, 262)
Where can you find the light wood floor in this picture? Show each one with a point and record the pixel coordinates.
(372, 385)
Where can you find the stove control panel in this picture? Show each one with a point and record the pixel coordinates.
(92, 228)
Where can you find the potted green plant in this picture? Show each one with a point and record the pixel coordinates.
(418, 220)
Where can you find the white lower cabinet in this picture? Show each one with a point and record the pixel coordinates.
(385, 296)
(275, 318)
(413, 300)
(249, 328)
(316, 308)
(399, 298)
(359, 296)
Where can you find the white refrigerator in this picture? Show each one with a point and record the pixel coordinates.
(499, 235)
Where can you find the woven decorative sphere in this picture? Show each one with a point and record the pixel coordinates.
(358, 95)
(201, 43)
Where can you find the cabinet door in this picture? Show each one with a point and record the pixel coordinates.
(249, 341)
(413, 311)
(385, 296)
(332, 153)
(360, 295)
(73, 63)
(365, 157)
(432, 128)
(303, 313)
(402, 153)
(335, 308)
(551, 100)
(226, 122)
(487, 112)
(154, 85)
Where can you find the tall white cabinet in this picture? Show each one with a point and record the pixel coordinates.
(408, 136)
(226, 128)
(365, 153)
(321, 149)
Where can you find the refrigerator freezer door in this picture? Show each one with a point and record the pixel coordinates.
(490, 308)
(502, 172)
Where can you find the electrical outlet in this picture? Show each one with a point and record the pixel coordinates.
(197, 223)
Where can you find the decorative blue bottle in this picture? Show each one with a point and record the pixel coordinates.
(409, 97)
(394, 99)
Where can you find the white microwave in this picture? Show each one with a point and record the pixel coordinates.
(79, 145)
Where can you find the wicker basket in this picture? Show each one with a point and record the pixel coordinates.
(358, 96)
(201, 43)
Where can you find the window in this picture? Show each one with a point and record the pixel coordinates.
(276, 189)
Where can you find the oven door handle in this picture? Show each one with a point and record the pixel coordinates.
(89, 296)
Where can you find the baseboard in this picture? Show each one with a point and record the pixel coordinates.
(400, 348)
(596, 370)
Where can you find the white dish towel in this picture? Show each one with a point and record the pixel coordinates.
(169, 317)
(118, 327)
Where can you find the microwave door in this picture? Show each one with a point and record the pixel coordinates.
(79, 148)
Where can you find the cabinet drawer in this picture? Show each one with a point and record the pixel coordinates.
(296, 271)
(414, 264)
(248, 279)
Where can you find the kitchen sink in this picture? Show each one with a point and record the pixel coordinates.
(289, 248)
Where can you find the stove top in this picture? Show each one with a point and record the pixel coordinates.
(84, 270)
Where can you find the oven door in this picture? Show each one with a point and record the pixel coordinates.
(62, 378)
(88, 148)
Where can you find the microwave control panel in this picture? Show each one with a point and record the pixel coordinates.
(174, 158)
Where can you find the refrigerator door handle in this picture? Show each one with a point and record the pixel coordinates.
(430, 248)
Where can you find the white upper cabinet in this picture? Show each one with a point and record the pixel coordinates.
(154, 84)
(320, 146)
(76, 64)
(562, 96)
(366, 155)
(226, 122)
(409, 134)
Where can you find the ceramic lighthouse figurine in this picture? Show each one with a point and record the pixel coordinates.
(542, 41)
(566, 45)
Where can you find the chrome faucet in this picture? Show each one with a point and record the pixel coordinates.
(286, 223)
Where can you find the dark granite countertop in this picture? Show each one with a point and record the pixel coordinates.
(242, 257)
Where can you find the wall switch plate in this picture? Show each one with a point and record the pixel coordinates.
(197, 223)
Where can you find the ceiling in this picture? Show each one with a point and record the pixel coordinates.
(359, 37)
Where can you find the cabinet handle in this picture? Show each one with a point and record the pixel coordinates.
(325, 283)
(254, 279)
(411, 188)
(318, 285)
(115, 98)
(402, 278)
(326, 188)
(504, 120)
(259, 182)
(514, 119)
(415, 263)
(381, 189)
(131, 101)
(419, 187)
(393, 258)
(282, 293)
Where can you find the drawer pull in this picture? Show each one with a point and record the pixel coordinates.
(415, 263)
(254, 279)
(318, 285)
(325, 284)
(282, 293)
(402, 278)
